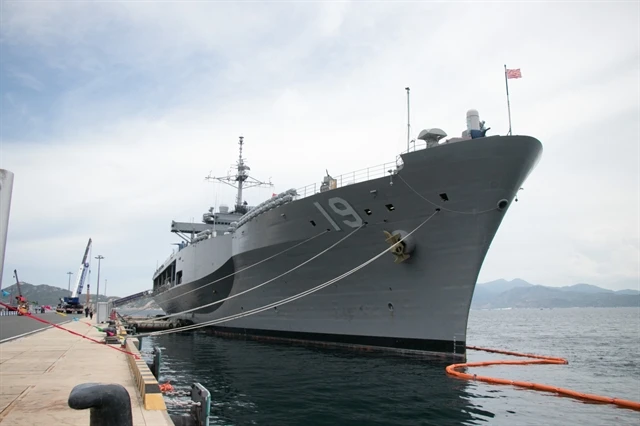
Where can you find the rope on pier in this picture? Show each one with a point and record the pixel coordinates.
(452, 370)
(73, 332)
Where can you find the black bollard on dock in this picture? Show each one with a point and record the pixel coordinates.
(154, 365)
(110, 404)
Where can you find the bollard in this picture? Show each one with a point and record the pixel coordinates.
(110, 404)
(154, 366)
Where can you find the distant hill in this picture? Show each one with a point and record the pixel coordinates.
(521, 294)
(586, 288)
(627, 292)
(49, 295)
(498, 286)
(45, 294)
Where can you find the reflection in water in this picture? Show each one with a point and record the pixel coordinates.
(275, 384)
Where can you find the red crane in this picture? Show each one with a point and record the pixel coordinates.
(21, 301)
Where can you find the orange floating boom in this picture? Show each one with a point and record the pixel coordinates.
(538, 359)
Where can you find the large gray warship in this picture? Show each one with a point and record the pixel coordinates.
(416, 298)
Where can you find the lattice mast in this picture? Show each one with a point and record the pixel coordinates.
(241, 180)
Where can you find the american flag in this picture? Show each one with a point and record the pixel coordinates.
(514, 73)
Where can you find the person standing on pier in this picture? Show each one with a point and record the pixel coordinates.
(86, 312)
(91, 314)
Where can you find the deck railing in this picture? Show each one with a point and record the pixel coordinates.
(356, 176)
(364, 175)
(416, 145)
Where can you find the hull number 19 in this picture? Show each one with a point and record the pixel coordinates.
(342, 208)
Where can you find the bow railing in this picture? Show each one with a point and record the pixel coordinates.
(351, 178)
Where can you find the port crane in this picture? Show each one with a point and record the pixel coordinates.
(21, 301)
(72, 305)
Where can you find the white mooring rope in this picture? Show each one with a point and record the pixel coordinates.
(288, 299)
(264, 283)
(234, 273)
(285, 251)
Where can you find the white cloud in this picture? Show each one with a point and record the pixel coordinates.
(326, 80)
(26, 80)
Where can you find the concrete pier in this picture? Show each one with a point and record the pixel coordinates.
(38, 372)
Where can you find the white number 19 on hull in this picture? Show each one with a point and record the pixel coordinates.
(342, 208)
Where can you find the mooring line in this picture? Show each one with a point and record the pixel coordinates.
(229, 275)
(247, 267)
(259, 285)
(291, 298)
(441, 207)
(75, 333)
(438, 207)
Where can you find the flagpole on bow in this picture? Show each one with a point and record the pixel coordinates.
(506, 82)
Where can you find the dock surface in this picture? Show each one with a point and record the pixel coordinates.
(17, 325)
(38, 372)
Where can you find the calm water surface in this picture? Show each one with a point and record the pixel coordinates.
(275, 384)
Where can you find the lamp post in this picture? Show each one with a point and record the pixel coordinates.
(69, 286)
(99, 257)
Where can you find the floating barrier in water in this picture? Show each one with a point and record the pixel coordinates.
(537, 359)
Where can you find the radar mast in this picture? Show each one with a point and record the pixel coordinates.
(244, 181)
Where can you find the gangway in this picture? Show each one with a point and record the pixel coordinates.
(131, 298)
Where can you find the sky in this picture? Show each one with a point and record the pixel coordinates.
(113, 113)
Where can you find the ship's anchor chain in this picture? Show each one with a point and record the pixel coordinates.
(178, 393)
(399, 249)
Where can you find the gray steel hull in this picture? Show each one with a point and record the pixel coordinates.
(421, 304)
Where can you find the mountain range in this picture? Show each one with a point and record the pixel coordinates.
(45, 294)
(518, 293)
(501, 293)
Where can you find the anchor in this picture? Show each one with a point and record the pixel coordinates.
(397, 247)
